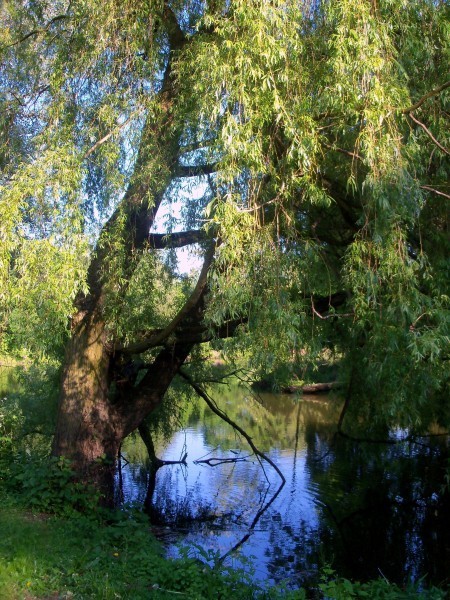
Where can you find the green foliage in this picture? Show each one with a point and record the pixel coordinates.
(380, 589)
(402, 333)
(326, 124)
(27, 417)
(151, 296)
(291, 106)
(37, 481)
(49, 485)
(80, 558)
(42, 294)
(11, 419)
(83, 559)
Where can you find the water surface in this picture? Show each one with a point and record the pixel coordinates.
(366, 509)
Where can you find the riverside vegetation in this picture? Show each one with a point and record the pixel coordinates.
(301, 150)
(56, 542)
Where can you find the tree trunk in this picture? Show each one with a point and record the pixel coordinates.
(91, 423)
(87, 429)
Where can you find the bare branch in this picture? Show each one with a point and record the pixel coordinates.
(329, 316)
(343, 151)
(215, 462)
(430, 189)
(428, 132)
(111, 133)
(212, 405)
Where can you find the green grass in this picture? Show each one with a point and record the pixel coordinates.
(42, 557)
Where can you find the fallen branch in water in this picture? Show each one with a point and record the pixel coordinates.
(312, 388)
(214, 462)
(213, 406)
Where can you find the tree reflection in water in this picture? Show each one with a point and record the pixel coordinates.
(364, 508)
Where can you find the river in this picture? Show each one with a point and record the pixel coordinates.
(366, 509)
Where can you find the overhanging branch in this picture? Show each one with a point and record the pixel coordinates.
(428, 132)
(213, 406)
(431, 94)
(197, 334)
(162, 241)
(434, 191)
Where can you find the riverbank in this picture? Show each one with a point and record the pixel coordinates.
(50, 549)
(44, 556)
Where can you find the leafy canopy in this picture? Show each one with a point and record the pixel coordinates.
(321, 128)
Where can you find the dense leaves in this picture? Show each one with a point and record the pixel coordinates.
(319, 134)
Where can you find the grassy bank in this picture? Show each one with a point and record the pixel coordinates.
(48, 557)
(43, 556)
(50, 549)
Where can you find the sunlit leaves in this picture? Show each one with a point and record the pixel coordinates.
(323, 181)
(43, 286)
(41, 222)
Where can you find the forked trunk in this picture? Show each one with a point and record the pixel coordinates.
(90, 425)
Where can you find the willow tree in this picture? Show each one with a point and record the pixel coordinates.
(319, 134)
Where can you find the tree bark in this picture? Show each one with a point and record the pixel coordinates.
(87, 428)
(91, 424)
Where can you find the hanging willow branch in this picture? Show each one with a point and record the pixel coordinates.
(227, 419)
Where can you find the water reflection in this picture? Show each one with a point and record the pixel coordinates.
(364, 508)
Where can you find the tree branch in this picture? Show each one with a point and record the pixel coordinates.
(111, 133)
(419, 103)
(198, 334)
(139, 214)
(428, 132)
(201, 333)
(158, 339)
(162, 241)
(36, 31)
(196, 171)
(212, 405)
(324, 303)
(430, 189)
(177, 37)
(353, 155)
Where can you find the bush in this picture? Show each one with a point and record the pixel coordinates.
(49, 486)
